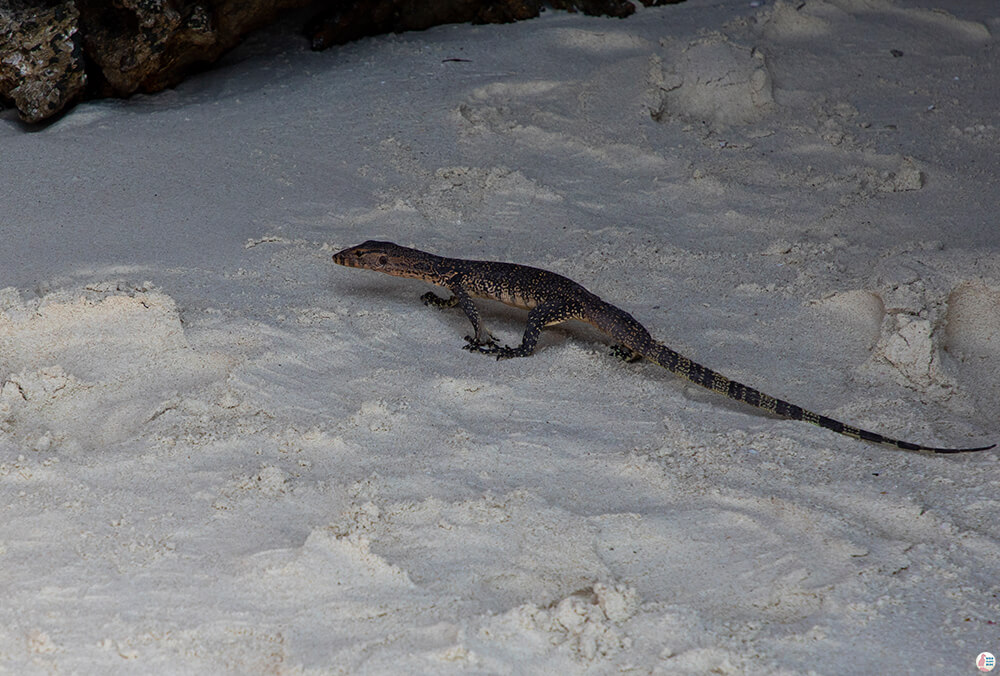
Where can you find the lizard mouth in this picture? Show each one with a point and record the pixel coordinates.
(344, 258)
(365, 256)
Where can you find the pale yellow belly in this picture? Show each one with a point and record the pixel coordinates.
(517, 301)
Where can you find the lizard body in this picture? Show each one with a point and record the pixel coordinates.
(552, 299)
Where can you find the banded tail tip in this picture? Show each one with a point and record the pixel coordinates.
(958, 450)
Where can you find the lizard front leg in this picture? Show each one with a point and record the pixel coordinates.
(538, 318)
(481, 337)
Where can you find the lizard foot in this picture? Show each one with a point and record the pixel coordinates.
(488, 346)
(500, 351)
(431, 298)
(625, 354)
(491, 347)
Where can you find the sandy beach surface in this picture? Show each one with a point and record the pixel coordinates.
(222, 453)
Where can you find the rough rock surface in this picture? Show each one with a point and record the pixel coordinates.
(41, 62)
(143, 45)
(53, 52)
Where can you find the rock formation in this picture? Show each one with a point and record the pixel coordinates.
(53, 52)
(41, 58)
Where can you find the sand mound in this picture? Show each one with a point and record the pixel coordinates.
(711, 80)
(91, 370)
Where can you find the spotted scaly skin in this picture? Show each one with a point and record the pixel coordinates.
(553, 299)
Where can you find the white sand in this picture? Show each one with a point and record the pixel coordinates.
(219, 452)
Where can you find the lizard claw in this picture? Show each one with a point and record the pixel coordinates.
(485, 346)
(491, 347)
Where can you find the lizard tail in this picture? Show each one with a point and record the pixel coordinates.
(630, 333)
(712, 380)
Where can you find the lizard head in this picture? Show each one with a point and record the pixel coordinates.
(391, 259)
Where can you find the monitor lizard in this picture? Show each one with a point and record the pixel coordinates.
(552, 299)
